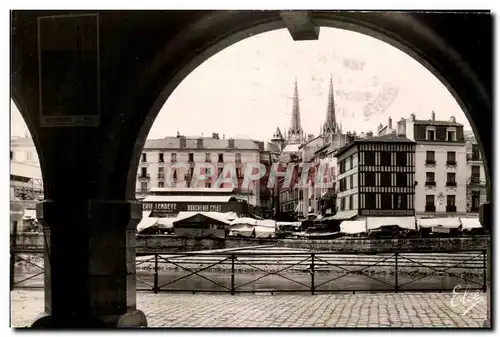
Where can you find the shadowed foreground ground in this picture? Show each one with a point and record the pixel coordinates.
(325, 311)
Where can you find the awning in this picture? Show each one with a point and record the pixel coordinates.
(266, 223)
(29, 214)
(439, 222)
(166, 222)
(353, 227)
(146, 221)
(470, 223)
(406, 222)
(248, 221)
(342, 215)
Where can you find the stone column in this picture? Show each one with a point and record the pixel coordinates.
(90, 279)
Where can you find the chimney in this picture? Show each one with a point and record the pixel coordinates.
(389, 123)
(433, 115)
(199, 143)
(178, 134)
(215, 135)
(183, 142)
(231, 143)
(401, 128)
(412, 117)
(452, 119)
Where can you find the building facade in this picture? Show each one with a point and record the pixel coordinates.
(476, 181)
(441, 172)
(183, 159)
(376, 177)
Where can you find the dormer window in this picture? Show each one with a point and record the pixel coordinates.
(430, 133)
(451, 134)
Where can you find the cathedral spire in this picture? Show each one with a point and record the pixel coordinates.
(296, 111)
(330, 112)
(295, 133)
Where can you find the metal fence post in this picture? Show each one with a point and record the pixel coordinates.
(13, 242)
(312, 273)
(396, 286)
(155, 286)
(232, 274)
(484, 270)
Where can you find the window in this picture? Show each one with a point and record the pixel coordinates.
(342, 166)
(207, 157)
(399, 201)
(450, 200)
(370, 158)
(430, 157)
(173, 157)
(475, 174)
(475, 152)
(429, 177)
(450, 179)
(369, 179)
(351, 181)
(238, 157)
(144, 158)
(161, 172)
(401, 159)
(208, 184)
(385, 178)
(370, 201)
(219, 172)
(350, 163)
(431, 134)
(385, 158)
(351, 202)
(450, 203)
(401, 179)
(429, 200)
(160, 157)
(174, 176)
(191, 157)
(161, 184)
(429, 203)
(238, 173)
(221, 157)
(451, 136)
(144, 172)
(451, 158)
(144, 187)
(342, 204)
(476, 198)
(386, 201)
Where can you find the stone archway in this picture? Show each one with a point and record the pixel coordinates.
(90, 172)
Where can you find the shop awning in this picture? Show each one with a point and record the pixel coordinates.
(353, 227)
(146, 221)
(202, 217)
(342, 215)
(406, 222)
(450, 223)
(248, 221)
(470, 223)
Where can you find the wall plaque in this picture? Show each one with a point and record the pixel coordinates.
(68, 54)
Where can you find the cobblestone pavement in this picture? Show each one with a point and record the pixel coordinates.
(322, 311)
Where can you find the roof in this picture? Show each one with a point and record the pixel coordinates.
(209, 143)
(202, 217)
(187, 198)
(390, 138)
(437, 123)
(273, 148)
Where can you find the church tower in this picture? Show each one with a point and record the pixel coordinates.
(278, 139)
(295, 133)
(331, 127)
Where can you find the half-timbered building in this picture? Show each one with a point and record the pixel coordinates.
(376, 177)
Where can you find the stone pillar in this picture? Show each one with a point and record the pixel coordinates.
(90, 279)
(486, 218)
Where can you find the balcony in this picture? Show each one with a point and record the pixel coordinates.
(451, 163)
(451, 184)
(144, 176)
(430, 162)
(430, 183)
(430, 208)
(161, 176)
(451, 209)
(473, 157)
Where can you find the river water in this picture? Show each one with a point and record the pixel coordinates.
(245, 282)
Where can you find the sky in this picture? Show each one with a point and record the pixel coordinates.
(246, 89)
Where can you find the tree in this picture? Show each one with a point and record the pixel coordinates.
(328, 200)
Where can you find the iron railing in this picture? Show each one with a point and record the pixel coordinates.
(307, 272)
